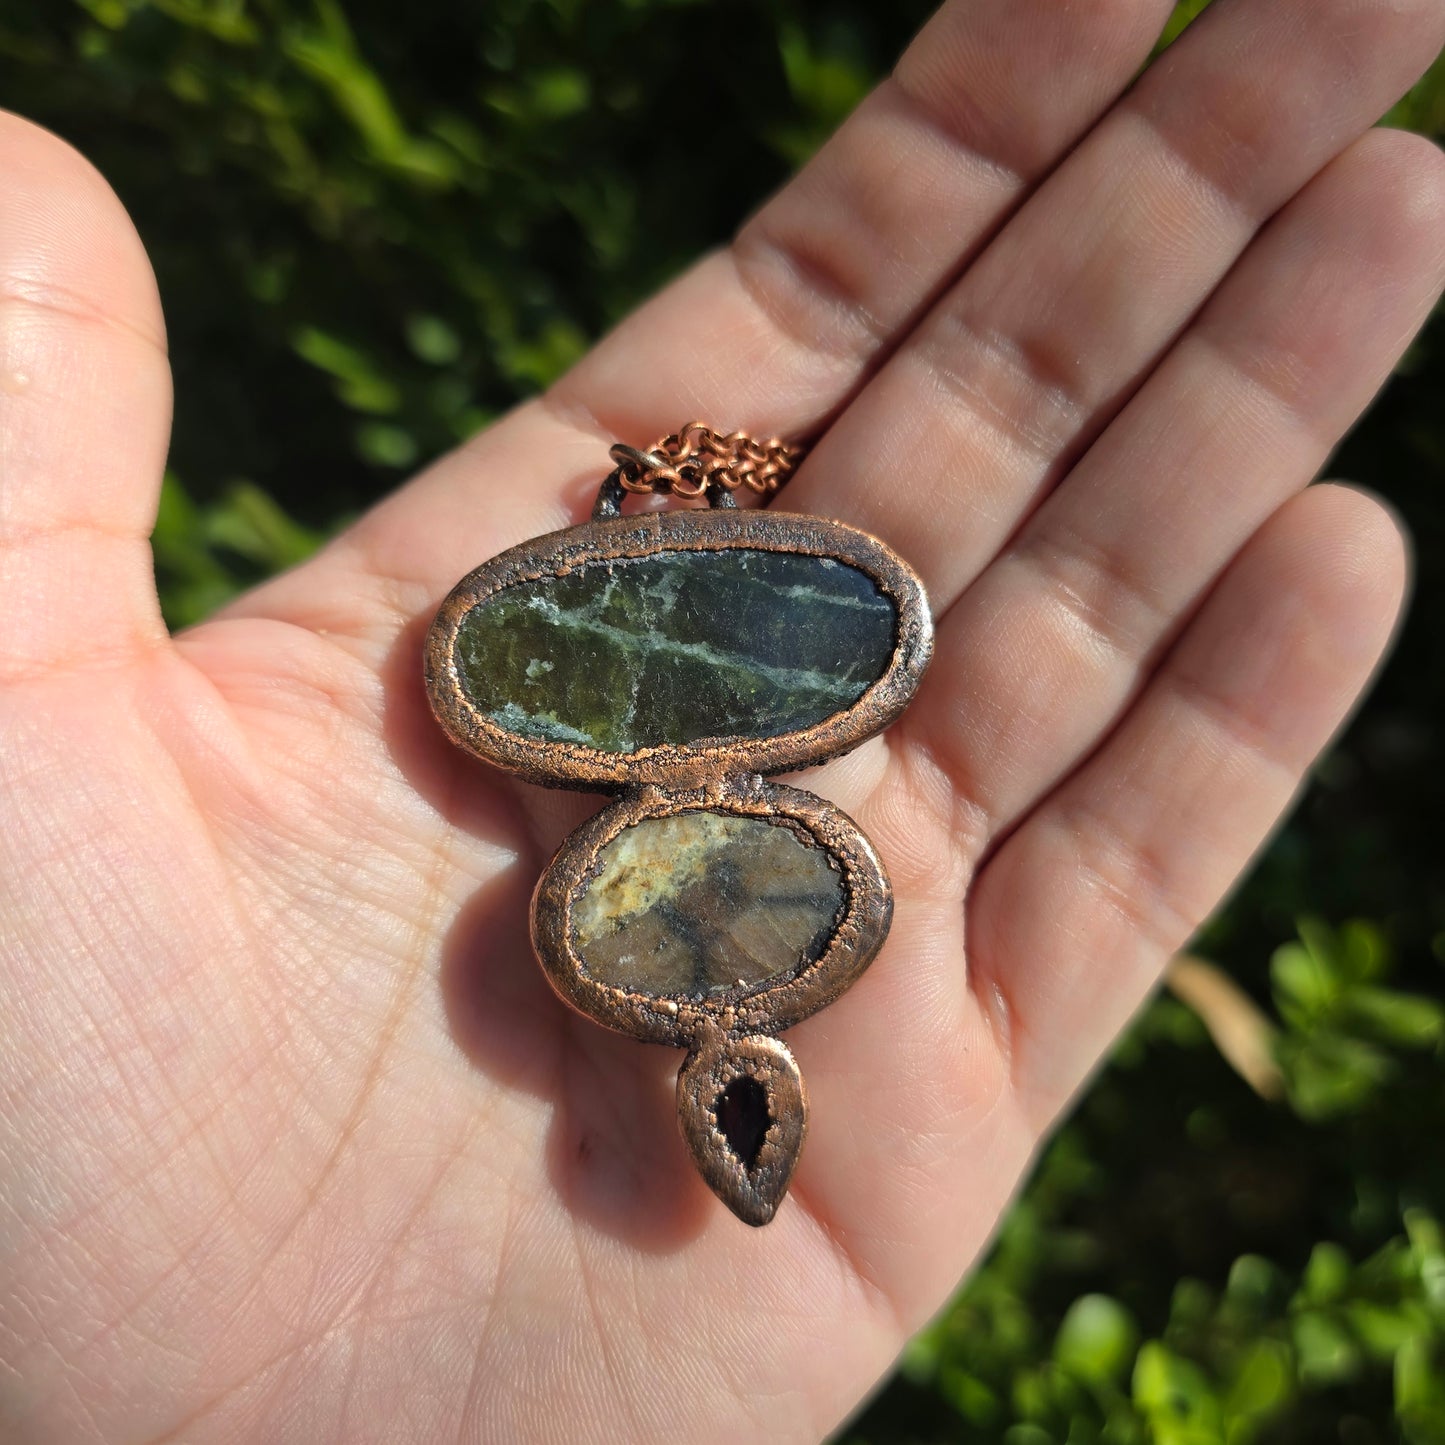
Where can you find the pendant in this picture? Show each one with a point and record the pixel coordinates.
(676, 659)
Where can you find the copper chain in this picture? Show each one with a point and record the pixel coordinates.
(696, 457)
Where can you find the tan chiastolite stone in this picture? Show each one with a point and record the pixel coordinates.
(700, 902)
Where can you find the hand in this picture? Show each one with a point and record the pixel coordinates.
(298, 1144)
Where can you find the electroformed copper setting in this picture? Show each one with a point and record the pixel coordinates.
(741, 1103)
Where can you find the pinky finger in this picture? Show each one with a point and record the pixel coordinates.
(1073, 920)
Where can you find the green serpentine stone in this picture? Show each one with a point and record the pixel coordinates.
(675, 647)
(701, 902)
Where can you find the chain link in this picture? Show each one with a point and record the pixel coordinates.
(696, 457)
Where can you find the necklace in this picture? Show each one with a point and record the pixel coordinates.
(675, 659)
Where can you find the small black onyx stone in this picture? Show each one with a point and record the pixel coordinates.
(743, 1118)
(698, 903)
(676, 646)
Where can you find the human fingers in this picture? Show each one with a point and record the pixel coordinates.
(1074, 918)
(1003, 385)
(1040, 657)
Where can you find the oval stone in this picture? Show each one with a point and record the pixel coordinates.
(676, 646)
(697, 903)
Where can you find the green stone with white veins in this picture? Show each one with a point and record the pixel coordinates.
(675, 647)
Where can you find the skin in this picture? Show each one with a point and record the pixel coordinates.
(298, 1145)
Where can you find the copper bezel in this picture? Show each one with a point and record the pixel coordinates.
(752, 1191)
(767, 1007)
(573, 765)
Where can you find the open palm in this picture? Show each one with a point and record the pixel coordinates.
(298, 1144)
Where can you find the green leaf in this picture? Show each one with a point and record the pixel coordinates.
(329, 53)
(1256, 1285)
(1304, 987)
(975, 1401)
(113, 14)
(541, 361)
(1409, 1021)
(1097, 1340)
(558, 92)
(1262, 1386)
(1327, 1275)
(359, 383)
(1329, 1075)
(432, 339)
(384, 445)
(1361, 951)
(1382, 1330)
(1026, 1434)
(250, 523)
(1420, 1391)
(193, 581)
(1427, 1249)
(1326, 1353)
(1183, 15)
(1176, 1398)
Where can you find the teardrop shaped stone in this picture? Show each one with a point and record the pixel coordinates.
(676, 646)
(698, 903)
(743, 1116)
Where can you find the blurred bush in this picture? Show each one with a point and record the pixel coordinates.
(376, 227)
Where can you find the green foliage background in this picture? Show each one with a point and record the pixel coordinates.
(376, 226)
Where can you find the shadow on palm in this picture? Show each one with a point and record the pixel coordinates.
(614, 1156)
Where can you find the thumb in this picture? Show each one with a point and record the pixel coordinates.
(84, 414)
